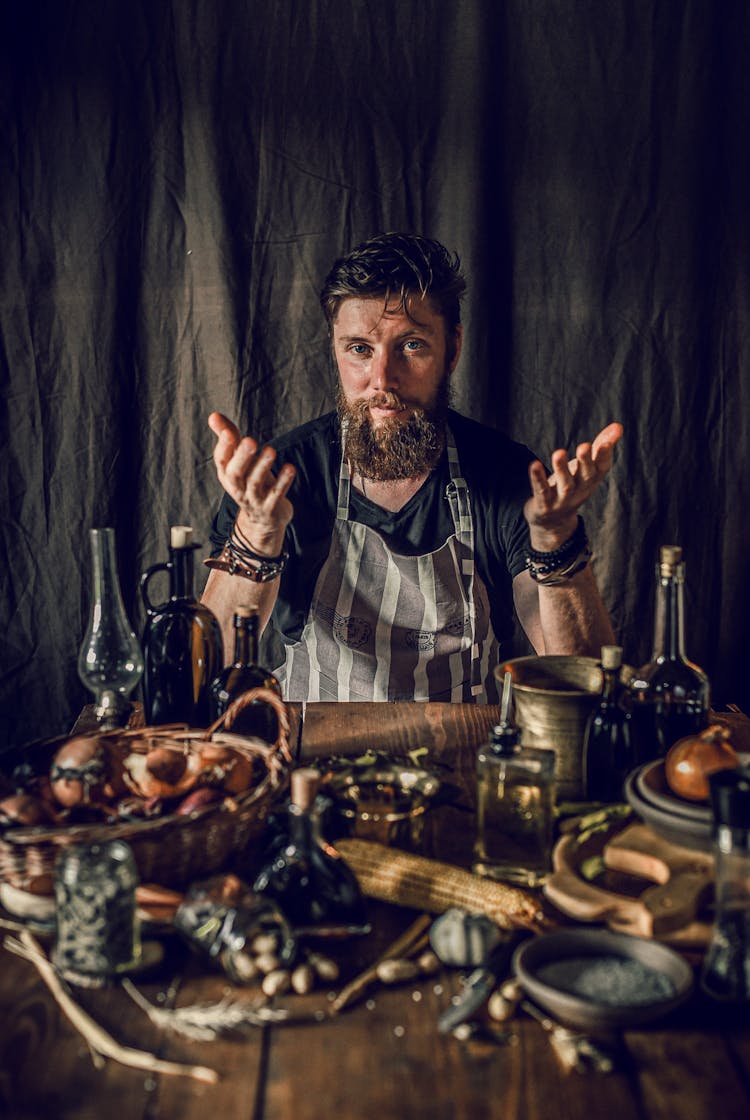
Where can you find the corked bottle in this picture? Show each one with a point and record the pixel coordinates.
(182, 645)
(608, 754)
(244, 674)
(670, 695)
(314, 887)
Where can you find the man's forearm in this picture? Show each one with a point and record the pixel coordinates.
(566, 618)
(223, 593)
(573, 618)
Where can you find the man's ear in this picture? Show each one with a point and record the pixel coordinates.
(454, 347)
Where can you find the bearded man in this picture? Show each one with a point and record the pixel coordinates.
(393, 544)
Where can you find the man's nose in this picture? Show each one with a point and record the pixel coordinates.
(383, 370)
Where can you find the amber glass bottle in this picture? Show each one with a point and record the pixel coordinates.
(182, 645)
(245, 673)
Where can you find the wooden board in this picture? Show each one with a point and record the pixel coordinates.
(675, 884)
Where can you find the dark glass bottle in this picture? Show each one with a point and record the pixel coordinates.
(313, 886)
(182, 645)
(670, 696)
(726, 965)
(608, 751)
(258, 719)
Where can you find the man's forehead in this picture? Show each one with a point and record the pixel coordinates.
(413, 310)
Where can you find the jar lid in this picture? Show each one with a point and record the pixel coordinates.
(730, 797)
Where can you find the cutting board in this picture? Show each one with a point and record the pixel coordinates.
(671, 905)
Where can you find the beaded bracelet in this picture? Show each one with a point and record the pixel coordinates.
(562, 563)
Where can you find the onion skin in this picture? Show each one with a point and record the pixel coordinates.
(86, 772)
(690, 760)
(166, 765)
(225, 768)
(23, 810)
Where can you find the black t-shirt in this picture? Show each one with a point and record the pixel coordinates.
(495, 469)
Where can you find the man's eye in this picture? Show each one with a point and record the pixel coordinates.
(413, 344)
(359, 348)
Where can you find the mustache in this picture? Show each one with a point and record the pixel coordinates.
(386, 399)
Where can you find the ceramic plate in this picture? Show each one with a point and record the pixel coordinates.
(673, 826)
(651, 783)
(587, 957)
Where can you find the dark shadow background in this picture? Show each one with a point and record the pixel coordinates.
(176, 177)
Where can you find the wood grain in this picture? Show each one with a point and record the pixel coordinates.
(382, 1057)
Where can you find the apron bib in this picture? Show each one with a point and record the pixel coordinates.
(382, 626)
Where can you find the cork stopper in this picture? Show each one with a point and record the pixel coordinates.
(670, 560)
(180, 536)
(611, 657)
(305, 782)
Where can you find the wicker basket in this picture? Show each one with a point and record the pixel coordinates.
(170, 850)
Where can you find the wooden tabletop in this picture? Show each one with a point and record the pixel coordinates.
(381, 1057)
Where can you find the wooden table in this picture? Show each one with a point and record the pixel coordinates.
(383, 1057)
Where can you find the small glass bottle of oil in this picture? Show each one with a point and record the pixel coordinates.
(515, 807)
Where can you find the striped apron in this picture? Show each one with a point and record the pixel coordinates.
(382, 626)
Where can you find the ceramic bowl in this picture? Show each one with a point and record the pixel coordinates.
(651, 784)
(617, 1003)
(671, 822)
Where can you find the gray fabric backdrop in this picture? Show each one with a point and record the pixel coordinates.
(177, 175)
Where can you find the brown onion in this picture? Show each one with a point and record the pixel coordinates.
(166, 765)
(227, 768)
(22, 809)
(690, 760)
(86, 771)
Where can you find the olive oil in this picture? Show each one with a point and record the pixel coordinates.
(515, 812)
(515, 806)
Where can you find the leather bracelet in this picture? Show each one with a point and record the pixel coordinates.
(235, 554)
(266, 570)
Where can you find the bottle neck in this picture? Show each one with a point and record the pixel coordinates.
(245, 642)
(610, 686)
(106, 580)
(669, 641)
(181, 573)
(304, 826)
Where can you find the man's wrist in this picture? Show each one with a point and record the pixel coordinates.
(549, 540)
(238, 558)
(266, 546)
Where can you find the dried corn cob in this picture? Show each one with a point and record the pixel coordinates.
(426, 884)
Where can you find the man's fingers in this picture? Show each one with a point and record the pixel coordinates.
(538, 478)
(605, 442)
(284, 481)
(220, 424)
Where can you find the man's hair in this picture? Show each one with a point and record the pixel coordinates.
(395, 266)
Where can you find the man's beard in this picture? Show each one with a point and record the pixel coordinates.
(395, 449)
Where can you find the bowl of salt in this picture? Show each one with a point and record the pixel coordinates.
(597, 980)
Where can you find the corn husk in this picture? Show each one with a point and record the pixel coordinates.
(426, 884)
